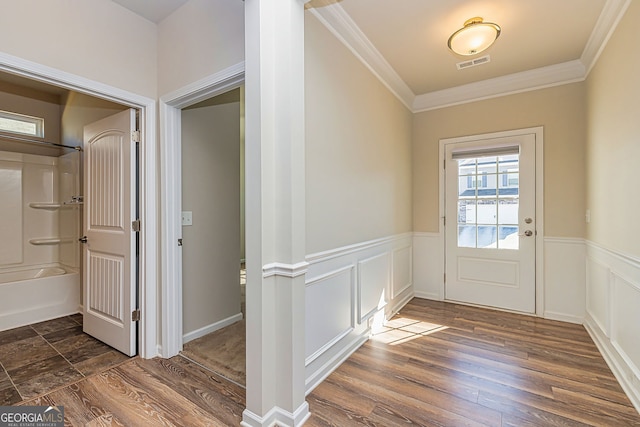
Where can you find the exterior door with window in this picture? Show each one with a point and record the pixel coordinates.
(490, 225)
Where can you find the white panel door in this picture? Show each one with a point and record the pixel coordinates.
(490, 224)
(109, 250)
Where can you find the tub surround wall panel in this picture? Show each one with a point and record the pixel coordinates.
(347, 289)
(69, 221)
(35, 221)
(11, 248)
(613, 318)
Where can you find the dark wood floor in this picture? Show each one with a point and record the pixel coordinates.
(450, 365)
(436, 364)
(38, 358)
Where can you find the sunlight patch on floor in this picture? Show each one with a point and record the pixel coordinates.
(401, 330)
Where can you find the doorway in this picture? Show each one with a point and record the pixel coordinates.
(57, 203)
(491, 204)
(212, 167)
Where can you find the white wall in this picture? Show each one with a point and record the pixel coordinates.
(198, 40)
(96, 39)
(211, 191)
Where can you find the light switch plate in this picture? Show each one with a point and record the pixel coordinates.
(187, 218)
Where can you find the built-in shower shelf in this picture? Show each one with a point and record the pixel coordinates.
(50, 241)
(47, 206)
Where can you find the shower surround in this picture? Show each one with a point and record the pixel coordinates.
(40, 212)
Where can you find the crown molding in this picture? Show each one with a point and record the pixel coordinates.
(539, 78)
(340, 24)
(345, 29)
(607, 23)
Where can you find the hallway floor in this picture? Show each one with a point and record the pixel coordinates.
(39, 358)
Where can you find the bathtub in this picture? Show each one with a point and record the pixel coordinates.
(37, 294)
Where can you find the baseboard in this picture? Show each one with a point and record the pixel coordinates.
(277, 416)
(332, 364)
(625, 374)
(400, 304)
(551, 315)
(427, 295)
(211, 328)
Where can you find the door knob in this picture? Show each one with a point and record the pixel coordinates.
(83, 239)
(527, 233)
(528, 220)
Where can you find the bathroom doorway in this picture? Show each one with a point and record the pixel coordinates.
(43, 186)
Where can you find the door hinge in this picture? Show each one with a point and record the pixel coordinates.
(444, 221)
(135, 136)
(135, 225)
(445, 278)
(444, 164)
(135, 315)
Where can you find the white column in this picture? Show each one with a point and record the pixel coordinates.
(275, 212)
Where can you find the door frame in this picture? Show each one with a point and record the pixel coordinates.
(539, 180)
(147, 273)
(171, 106)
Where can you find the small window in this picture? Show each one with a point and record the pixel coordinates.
(21, 124)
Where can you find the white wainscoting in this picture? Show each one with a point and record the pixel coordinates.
(564, 279)
(613, 313)
(562, 289)
(345, 288)
(428, 265)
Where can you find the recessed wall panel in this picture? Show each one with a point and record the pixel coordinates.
(373, 285)
(625, 320)
(401, 271)
(329, 310)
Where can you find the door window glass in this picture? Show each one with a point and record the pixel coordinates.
(488, 190)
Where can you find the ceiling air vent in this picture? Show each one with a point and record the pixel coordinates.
(473, 62)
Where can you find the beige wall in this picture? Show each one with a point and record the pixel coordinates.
(211, 190)
(613, 149)
(96, 39)
(358, 148)
(561, 110)
(198, 40)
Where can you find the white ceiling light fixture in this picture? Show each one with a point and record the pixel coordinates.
(474, 37)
